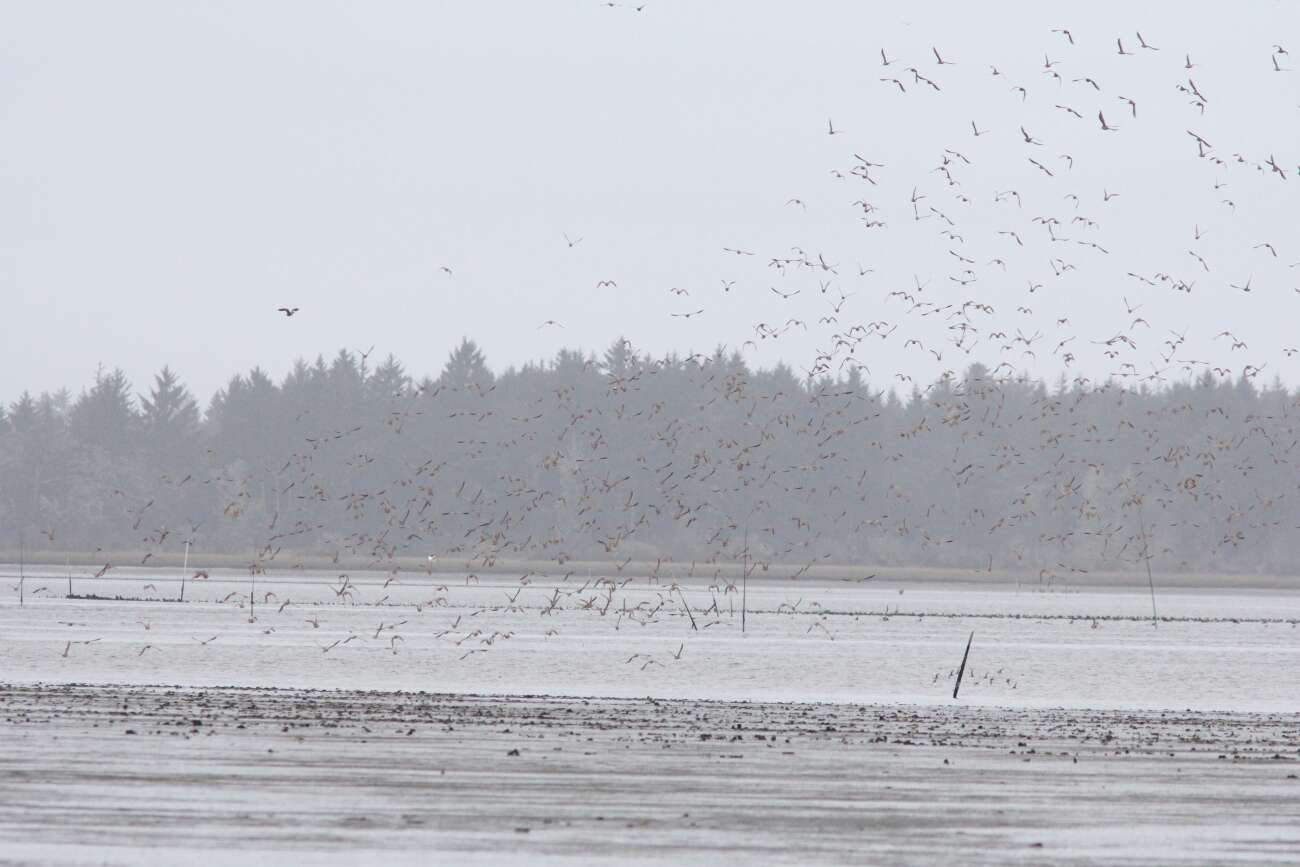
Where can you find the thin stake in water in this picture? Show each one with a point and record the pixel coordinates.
(744, 579)
(687, 607)
(962, 669)
(252, 589)
(1146, 558)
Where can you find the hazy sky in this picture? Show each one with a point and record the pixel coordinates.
(170, 173)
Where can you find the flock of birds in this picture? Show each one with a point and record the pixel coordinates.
(1021, 206)
(999, 206)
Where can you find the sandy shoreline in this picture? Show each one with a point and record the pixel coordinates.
(142, 775)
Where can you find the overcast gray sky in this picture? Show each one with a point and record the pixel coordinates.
(170, 173)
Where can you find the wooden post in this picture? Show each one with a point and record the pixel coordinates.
(744, 578)
(185, 569)
(1146, 558)
(687, 606)
(21, 573)
(962, 669)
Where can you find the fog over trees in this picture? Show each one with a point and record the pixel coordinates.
(624, 456)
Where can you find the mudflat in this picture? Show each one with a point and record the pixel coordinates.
(108, 774)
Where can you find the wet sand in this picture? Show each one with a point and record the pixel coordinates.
(157, 775)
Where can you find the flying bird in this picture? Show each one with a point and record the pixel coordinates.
(1044, 168)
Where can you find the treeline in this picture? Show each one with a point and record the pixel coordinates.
(697, 458)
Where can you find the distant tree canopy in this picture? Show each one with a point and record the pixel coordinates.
(625, 456)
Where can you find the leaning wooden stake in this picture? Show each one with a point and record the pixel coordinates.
(962, 670)
(687, 606)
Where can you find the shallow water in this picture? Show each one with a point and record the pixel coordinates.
(802, 641)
